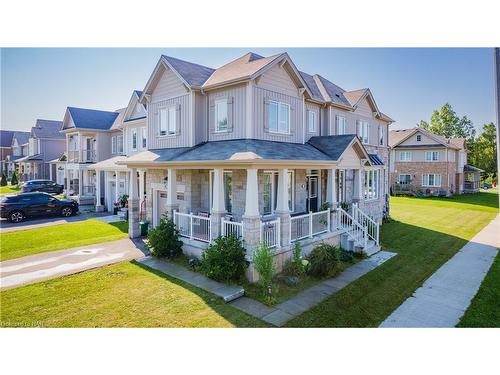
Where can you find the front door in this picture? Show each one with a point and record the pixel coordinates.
(312, 193)
(160, 206)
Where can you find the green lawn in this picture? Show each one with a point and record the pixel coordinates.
(40, 240)
(425, 233)
(122, 295)
(484, 311)
(9, 189)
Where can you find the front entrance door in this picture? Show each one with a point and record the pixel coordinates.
(160, 206)
(312, 193)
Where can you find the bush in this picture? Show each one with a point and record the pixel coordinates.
(164, 239)
(3, 181)
(323, 259)
(13, 179)
(224, 260)
(263, 263)
(295, 266)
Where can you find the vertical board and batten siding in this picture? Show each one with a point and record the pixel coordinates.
(138, 111)
(277, 79)
(236, 111)
(168, 86)
(364, 109)
(182, 139)
(259, 116)
(200, 117)
(317, 110)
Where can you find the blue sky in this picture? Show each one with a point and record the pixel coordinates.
(406, 83)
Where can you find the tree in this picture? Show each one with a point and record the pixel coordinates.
(3, 181)
(13, 179)
(484, 150)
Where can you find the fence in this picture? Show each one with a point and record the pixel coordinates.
(372, 227)
(231, 227)
(309, 225)
(270, 233)
(193, 226)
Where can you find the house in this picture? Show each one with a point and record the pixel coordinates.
(44, 144)
(19, 146)
(426, 163)
(258, 148)
(5, 148)
(96, 141)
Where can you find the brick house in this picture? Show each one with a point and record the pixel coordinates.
(425, 163)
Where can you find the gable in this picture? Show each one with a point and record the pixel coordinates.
(278, 79)
(135, 110)
(425, 140)
(167, 85)
(365, 108)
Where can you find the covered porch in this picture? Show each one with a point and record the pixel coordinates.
(472, 179)
(80, 182)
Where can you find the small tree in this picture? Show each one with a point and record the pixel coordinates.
(13, 179)
(3, 182)
(224, 260)
(164, 239)
(263, 263)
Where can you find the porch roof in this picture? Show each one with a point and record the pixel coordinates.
(375, 159)
(31, 157)
(471, 168)
(111, 164)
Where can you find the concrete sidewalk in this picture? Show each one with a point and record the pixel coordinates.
(34, 268)
(445, 296)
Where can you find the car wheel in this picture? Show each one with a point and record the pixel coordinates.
(16, 216)
(67, 211)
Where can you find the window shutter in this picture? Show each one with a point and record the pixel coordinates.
(292, 124)
(178, 119)
(230, 114)
(211, 116)
(266, 115)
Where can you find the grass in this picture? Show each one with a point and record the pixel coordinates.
(40, 240)
(425, 233)
(8, 189)
(484, 311)
(126, 294)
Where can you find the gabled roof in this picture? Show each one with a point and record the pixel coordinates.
(21, 137)
(396, 137)
(47, 129)
(92, 118)
(6, 138)
(334, 93)
(313, 87)
(335, 145)
(132, 103)
(194, 74)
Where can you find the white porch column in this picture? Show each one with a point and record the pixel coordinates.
(251, 218)
(331, 187)
(141, 190)
(66, 179)
(282, 209)
(133, 206)
(98, 206)
(80, 183)
(108, 200)
(50, 172)
(359, 185)
(117, 185)
(218, 209)
(172, 203)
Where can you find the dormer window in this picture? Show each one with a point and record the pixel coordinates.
(419, 138)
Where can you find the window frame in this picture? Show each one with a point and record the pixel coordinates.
(168, 126)
(278, 118)
(404, 174)
(372, 190)
(216, 113)
(364, 130)
(408, 153)
(274, 189)
(432, 153)
(343, 125)
(114, 141)
(313, 122)
(419, 138)
(134, 139)
(434, 175)
(381, 135)
(144, 138)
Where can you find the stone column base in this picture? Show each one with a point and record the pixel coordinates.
(284, 228)
(251, 233)
(99, 208)
(215, 223)
(133, 218)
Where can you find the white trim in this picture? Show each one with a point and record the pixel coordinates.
(278, 119)
(407, 158)
(431, 153)
(434, 178)
(337, 125)
(168, 128)
(313, 122)
(216, 123)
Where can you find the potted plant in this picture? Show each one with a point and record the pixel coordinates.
(116, 207)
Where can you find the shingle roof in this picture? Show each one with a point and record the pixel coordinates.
(332, 145)
(194, 74)
(396, 136)
(92, 118)
(47, 129)
(22, 137)
(313, 87)
(471, 168)
(6, 138)
(374, 158)
(336, 94)
(354, 96)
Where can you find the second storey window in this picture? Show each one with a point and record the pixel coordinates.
(144, 137)
(168, 119)
(134, 139)
(113, 145)
(117, 144)
(311, 121)
(340, 125)
(431, 156)
(279, 117)
(363, 127)
(221, 118)
(405, 156)
(381, 135)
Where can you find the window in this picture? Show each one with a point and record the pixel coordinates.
(340, 125)
(279, 117)
(113, 145)
(419, 138)
(363, 128)
(311, 120)
(144, 137)
(431, 156)
(168, 118)
(371, 184)
(381, 135)
(404, 179)
(228, 190)
(134, 139)
(405, 156)
(221, 119)
(431, 180)
(270, 191)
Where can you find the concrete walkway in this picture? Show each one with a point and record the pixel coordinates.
(227, 292)
(311, 297)
(34, 268)
(445, 296)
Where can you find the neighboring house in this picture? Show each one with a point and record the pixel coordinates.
(425, 163)
(256, 148)
(19, 148)
(44, 144)
(5, 148)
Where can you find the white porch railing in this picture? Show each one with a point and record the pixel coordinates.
(193, 226)
(354, 230)
(270, 233)
(372, 227)
(231, 227)
(309, 225)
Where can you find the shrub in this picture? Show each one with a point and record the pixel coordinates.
(263, 263)
(323, 259)
(224, 260)
(13, 179)
(164, 239)
(3, 181)
(295, 265)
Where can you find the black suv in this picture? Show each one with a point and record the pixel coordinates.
(45, 186)
(17, 207)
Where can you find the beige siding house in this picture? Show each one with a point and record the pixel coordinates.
(259, 149)
(423, 163)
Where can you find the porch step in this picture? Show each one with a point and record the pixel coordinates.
(349, 244)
